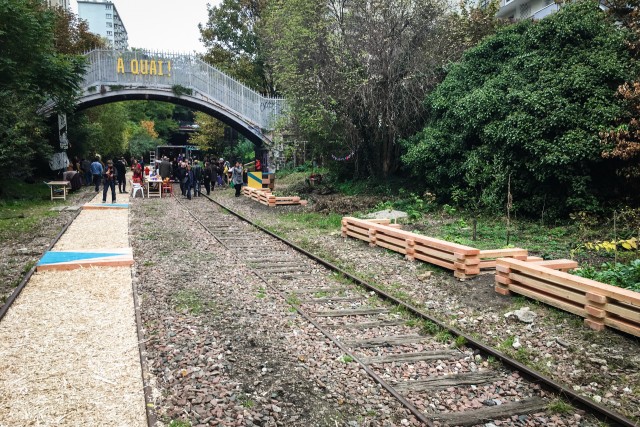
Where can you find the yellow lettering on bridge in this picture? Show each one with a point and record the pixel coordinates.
(150, 67)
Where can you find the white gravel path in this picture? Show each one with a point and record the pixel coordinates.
(68, 346)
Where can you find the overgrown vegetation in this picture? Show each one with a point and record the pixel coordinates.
(616, 274)
(526, 105)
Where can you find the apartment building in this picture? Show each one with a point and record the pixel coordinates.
(104, 20)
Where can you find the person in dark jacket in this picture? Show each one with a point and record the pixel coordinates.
(165, 168)
(181, 175)
(206, 176)
(109, 181)
(121, 169)
(197, 178)
(189, 181)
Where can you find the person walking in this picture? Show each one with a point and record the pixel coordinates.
(121, 169)
(189, 180)
(206, 176)
(236, 177)
(109, 182)
(197, 178)
(96, 172)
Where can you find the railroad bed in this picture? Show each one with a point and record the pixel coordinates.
(413, 359)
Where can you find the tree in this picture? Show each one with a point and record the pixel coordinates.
(32, 72)
(528, 102)
(231, 36)
(107, 130)
(356, 72)
(622, 143)
(210, 134)
(71, 34)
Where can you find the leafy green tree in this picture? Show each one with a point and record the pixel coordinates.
(161, 113)
(527, 102)
(210, 135)
(107, 130)
(232, 38)
(356, 72)
(31, 72)
(71, 34)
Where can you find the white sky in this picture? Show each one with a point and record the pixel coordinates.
(162, 24)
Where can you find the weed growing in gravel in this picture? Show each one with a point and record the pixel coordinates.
(443, 336)
(430, 327)
(261, 293)
(559, 406)
(246, 401)
(148, 263)
(188, 301)
(179, 423)
(523, 355)
(460, 341)
(293, 300)
(345, 358)
(411, 323)
(507, 343)
(321, 294)
(27, 267)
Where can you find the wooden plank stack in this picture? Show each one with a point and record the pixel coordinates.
(463, 260)
(600, 304)
(264, 196)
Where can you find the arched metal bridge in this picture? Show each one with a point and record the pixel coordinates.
(184, 79)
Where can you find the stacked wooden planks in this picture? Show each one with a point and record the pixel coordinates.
(600, 304)
(264, 196)
(463, 260)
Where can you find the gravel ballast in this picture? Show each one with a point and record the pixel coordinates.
(602, 366)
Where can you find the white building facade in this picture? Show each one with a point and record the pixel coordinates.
(58, 3)
(525, 9)
(104, 20)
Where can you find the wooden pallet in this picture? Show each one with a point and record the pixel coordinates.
(600, 304)
(265, 197)
(463, 260)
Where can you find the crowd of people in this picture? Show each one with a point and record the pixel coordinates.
(192, 174)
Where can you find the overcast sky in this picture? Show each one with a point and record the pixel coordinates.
(162, 25)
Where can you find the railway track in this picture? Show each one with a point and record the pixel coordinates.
(418, 360)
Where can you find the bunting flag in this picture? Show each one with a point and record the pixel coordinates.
(343, 159)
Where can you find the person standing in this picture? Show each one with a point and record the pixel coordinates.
(236, 177)
(121, 169)
(109, 182)
(85, 165)
(188, 180)
(206, 175)
(96, 172)
(181, 175)
(165, 168)
(197, 178)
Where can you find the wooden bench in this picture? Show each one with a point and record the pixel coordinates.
(463, 260)
(264, 196)
(600, 304)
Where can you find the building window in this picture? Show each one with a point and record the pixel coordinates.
(109, 25)
(107, 6)
(109, 33)
(108, 16)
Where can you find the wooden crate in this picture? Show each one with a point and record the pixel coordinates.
(463, 260)
(600, 304)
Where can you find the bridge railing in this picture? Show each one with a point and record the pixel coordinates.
(167, 70)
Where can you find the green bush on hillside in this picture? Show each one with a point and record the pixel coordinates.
(528, 103)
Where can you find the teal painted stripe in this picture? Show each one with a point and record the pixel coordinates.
(254, 176)
(57, 257)
(110, 205)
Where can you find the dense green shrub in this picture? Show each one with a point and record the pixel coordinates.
(528, 103)
(616, 274)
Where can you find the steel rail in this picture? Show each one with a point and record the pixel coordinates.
(601, 411)
(406, 403)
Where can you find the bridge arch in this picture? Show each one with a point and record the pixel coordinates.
(258, 136)
(184, 79)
